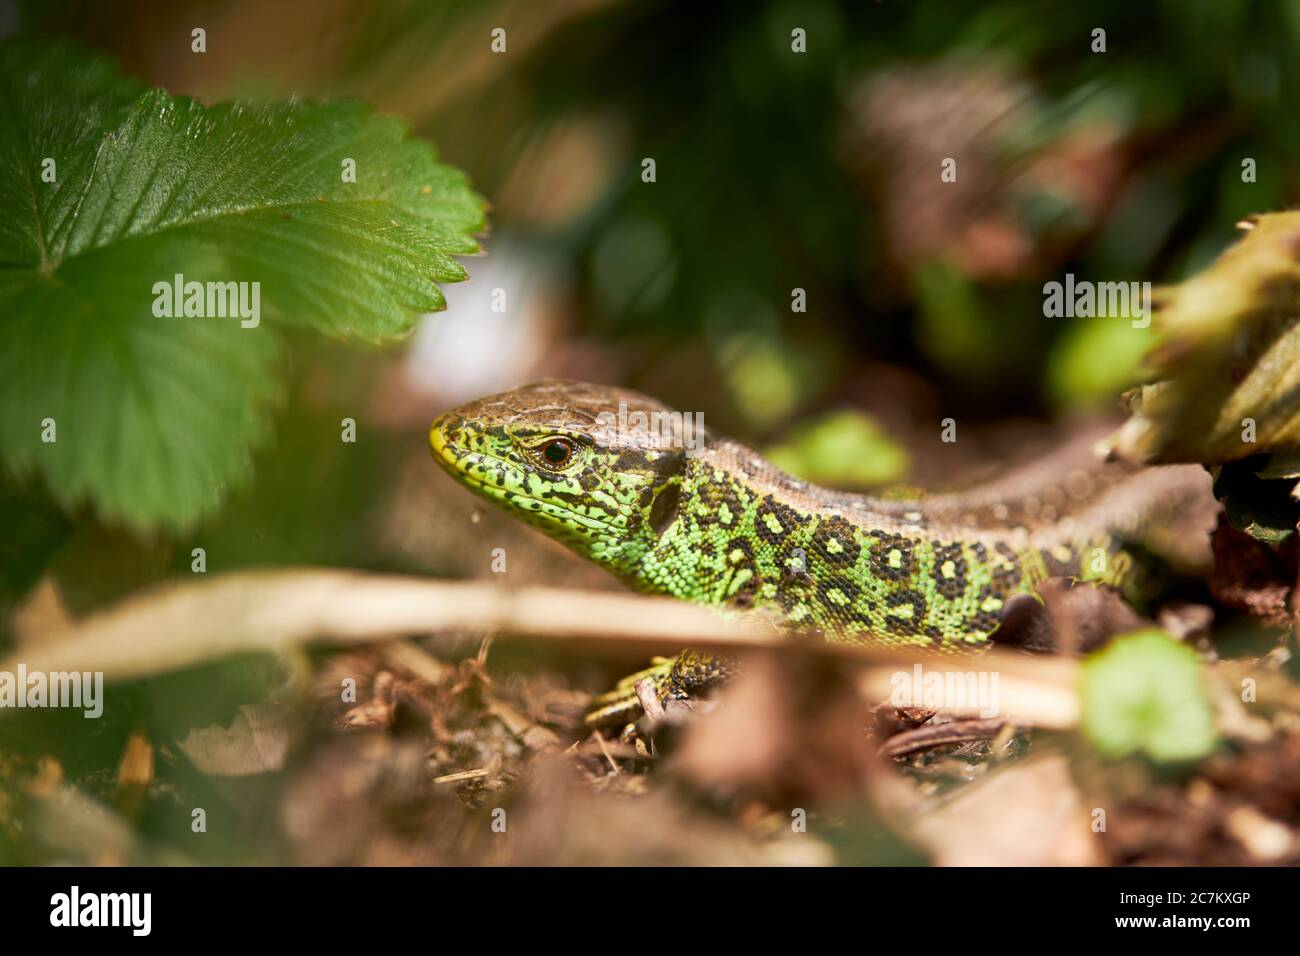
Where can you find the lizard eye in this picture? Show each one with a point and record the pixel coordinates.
(557, 452)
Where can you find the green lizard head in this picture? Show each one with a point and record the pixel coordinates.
(596, 467)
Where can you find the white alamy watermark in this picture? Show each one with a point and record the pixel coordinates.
(208, 300)
(1084, 299)
(945, 690)
(37, 689)
(75, 908)
(663, 430)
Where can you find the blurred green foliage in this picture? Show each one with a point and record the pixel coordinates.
(1143, 694)
(1120, 165)
(758, 191)
(1096, 359)
(843, 449)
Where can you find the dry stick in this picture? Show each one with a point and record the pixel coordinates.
(613, 764)
(462, 775)
(182, 625)
(936, 735)
(1042, 694)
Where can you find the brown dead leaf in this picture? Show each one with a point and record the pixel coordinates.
(1027, 814)
(255, 742)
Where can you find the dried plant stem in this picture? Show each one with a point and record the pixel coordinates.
(182, 625)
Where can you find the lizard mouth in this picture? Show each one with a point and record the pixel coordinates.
(459, 462)
(444, 453)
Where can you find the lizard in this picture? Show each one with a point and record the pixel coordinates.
(620, 478)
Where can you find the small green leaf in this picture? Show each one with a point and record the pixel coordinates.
(1143, 694)
(953, 328)
(845, 449)
(155, 417)
(1096, 359)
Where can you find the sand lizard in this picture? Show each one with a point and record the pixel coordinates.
(595, 467)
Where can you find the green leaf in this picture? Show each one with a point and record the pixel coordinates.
(844, 449)
(1143, 694)
(155, 417)
(1096, 359)
(1229, 352)
(954, 329)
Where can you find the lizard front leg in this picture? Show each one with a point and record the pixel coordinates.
(683, 677)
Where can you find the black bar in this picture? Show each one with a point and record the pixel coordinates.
(493, 906)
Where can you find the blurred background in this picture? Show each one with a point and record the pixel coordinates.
(775, 171)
